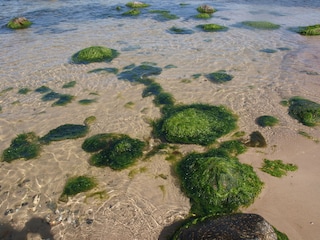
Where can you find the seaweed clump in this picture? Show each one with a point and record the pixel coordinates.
(305, 111)
(19, 23)
(177, 30)
(217, 183)
(263, 25)
(117, 151)
(309, 30)
(25, 145)
(267, 121)
(219, 77)
(256, 140)
(195, 124)
(137, 74)
(211, 27)
(75, 185)
(277, 168)
(94, 54)
(137, 4)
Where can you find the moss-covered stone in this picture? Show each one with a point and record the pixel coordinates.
(86, 101)
(137, 4)
(206, 9)
(94, 54)
(118, 151)
(211, 27)
(263, 25)
(312, 30)
(267, 121)
(75, 185)
(164, 98)
(217, 183)
(25, 145)
(277, 168)
(50, 96)
(219, 77)
(152, 89)
(233, 147)
(196, 124)
(63, 100)
(19, 23)
(305, 111)
(164, 15)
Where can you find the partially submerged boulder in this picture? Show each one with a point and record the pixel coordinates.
(305, 111)
(263, 25)
(236, 226)
(19, 23)
(94, 54)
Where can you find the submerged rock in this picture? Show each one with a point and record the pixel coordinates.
(235, 226)
(94, 54)
(309, 30)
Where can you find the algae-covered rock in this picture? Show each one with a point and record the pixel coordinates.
(217, 183)
(277, 168)
(206, 9)
(219, 77)
(118, 151)
(196, 124)
(19, 23)
(234, 226)
(305, 111)
(137, 4)
(75, 185)
(312, 30)
(177, 30)
(203, 16)
(256, 140)
(94, 54)
(25, 145)
(211, 27)
(132, 12)
(263, 25)
(267, 121)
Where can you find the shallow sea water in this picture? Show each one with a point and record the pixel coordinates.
(138, 207)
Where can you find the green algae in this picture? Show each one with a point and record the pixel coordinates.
(86, 101)
(68, 131)
(263, 25)
(267, 121)
(137, 73)
(19, 23)
(94, 54)
(163, 15)
(233, 147)
(152, 89)
(118, 151)
(219, 77)
(305, 111)
(268, 50)
(195, 124)
(24, 91)
(203, 16)
(75, 185)
(42, 89)
(129, 105)
(50, 96)
(312, 30)
(63, 100)
(277, 168)
(217, 183)
(177, 30)
(25, 145)
(211, 27)
(70, 84)
(132, 12)
(6, 90)
(164, 98)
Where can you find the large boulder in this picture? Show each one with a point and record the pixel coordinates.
(235, 226)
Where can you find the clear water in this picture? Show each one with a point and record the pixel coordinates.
(40, 55)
